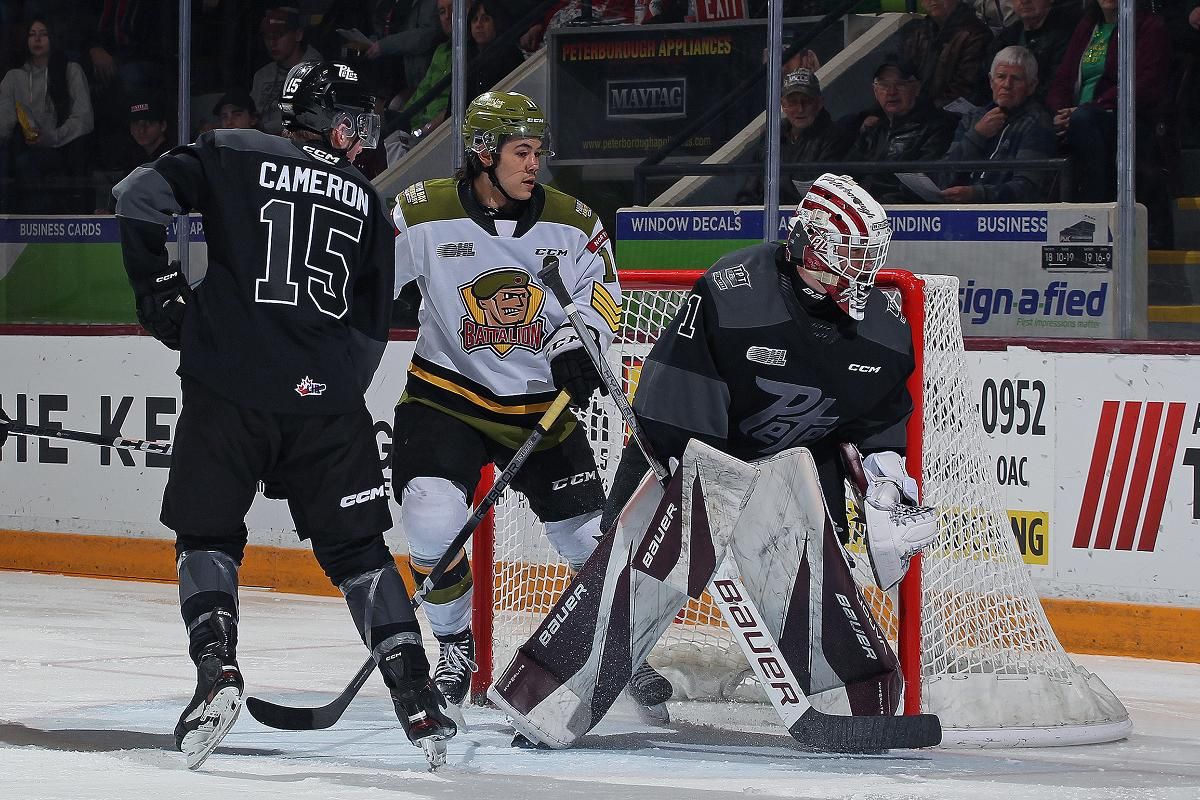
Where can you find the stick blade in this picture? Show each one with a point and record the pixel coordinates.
(287, 718)
(828, 733)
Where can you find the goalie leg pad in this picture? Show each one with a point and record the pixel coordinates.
(665, 548)
(794, 571)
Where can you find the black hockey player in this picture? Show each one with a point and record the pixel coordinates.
(278, 344)
(778, 346)
(494, 349)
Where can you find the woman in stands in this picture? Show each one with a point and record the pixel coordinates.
(45, 111)
(1083, 93)
(489, 62)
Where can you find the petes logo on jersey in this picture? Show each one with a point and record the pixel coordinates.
(320, 155)
(456, 250)
(732, 277)
(503, 311)
(309, 388)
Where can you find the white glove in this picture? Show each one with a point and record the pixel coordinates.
(897, 528)
(887, 481)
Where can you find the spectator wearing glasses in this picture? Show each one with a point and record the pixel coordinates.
(1012, 126)
(807, 133)
(904, 127)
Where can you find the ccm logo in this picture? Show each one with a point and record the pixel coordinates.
(771, 670)
(659, 533)
(561, 615)
(864, 368)
(363, 496)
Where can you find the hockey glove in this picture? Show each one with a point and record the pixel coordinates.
(897, 528)
(571, 368)
(162, 302)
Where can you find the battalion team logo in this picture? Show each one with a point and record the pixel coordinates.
(503, 312)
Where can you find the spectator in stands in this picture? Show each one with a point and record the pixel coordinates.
(134, 46)
(572, 11)
(45, 113)
(904, 127)
(807, 133)
(236, 109)
(948, 48)
(996, 14)
(1043, 29)
(413, 31)
(1083, 95)
(1012, 126)
(283, 36)
(490, 63)
(433, 114)
(147, 134)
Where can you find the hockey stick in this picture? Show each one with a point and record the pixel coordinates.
(290, 718)
(7, 426)
(810, 727)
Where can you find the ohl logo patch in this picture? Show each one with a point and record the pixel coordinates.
(503, 311)
(1129, 474)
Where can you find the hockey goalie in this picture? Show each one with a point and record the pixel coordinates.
(781, 355)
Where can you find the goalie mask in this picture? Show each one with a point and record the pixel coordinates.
(319, 96)
(840, 236)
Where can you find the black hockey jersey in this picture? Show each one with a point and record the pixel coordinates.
(292, 315)
(756, 362)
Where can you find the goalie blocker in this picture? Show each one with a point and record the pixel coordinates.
(795, 611)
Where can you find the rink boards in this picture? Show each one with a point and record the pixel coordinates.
(1097, 455)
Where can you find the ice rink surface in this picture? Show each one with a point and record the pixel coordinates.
(95, 674)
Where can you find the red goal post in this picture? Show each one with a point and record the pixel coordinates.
(974, 644)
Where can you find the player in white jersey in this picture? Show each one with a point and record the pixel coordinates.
(494, 348)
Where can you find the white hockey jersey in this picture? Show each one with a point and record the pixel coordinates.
(485, 319)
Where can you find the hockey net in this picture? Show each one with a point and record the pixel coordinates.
(974, 642)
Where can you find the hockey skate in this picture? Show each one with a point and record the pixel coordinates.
(650, 690)
(218, 699)
(453, 673)
(420, 707)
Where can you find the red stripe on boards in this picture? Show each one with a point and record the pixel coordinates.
(1115, 486)
(1147, 439)
(1162, 477)
(1095, 479)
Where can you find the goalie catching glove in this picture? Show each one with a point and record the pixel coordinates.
(897, 527)
(162, 302)
(571, 368)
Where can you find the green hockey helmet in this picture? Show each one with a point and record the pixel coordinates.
(493, 117)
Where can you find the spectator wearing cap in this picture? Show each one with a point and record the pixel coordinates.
(147, 134)
(236, 109)
(947, 46)
(283, 36)
(904, 127)
(1012, 126)
(807, 133)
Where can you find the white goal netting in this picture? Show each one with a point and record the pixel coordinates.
(989, 663)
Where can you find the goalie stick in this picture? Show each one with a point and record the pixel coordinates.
(291, 718)
(812, 728)
(7, 426)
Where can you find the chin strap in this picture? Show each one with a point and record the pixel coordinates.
(491, 173)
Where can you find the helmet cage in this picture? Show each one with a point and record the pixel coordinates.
(848, 243)
(364, 125)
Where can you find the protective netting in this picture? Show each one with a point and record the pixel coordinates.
(991, 666)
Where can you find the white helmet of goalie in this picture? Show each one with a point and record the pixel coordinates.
(840, 236)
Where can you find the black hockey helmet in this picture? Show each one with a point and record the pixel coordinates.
(319, 96)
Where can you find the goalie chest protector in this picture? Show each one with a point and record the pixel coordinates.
(757, 360)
